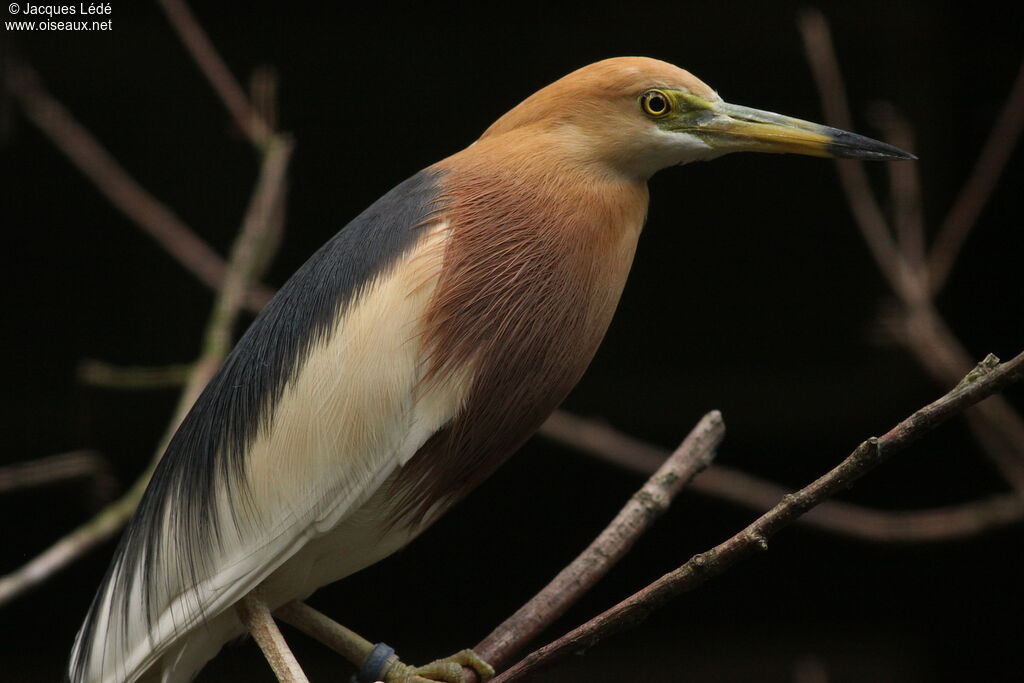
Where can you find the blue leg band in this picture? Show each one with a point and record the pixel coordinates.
(371, 670)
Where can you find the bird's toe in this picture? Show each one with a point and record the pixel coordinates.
(447, 670)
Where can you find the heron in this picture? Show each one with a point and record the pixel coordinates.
(408, 358)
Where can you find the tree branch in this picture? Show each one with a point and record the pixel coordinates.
(852, 176)
(114, 183)
(987, 378)
(100, 374)
(963, 215)
(926, 334)
(905, 184)
(57, 468)
(997, 427)
(259, 622)
(725, 483)
(240, 273)
(694, 454)
(217, 73)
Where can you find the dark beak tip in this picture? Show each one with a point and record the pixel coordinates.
(896, 154)
(876, 152)
(846, 145)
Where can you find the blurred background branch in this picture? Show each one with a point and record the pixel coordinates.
(919, 326)
(88, 465)
(988, 377)
(233, 281)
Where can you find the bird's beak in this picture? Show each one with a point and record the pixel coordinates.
(732, 128)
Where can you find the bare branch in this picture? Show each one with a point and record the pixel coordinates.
(996, 425)
(262, 219)
(198, 44)
(853, 178)
(694, 454)
(886, 526)
(987, 378)
(905, 184)
(604, 441)
(743, 489)
(927, 335)
(263, 93)
(96, 164)
(101, 374)
(57, 468)
(83, 539)
(976, 191)
(240, 272)
(259, 622)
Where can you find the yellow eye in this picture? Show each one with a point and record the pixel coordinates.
(655, 103)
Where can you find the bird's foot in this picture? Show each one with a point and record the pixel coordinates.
(447, 670)
(379, 662)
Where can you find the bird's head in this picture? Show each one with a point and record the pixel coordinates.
(635, 116)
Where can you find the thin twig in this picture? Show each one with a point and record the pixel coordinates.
(926, 333)
(724, 483)
(58, 468)
(262, 219)
(240, 272)
(852, 176)
(83, 539)
(905, 184)
(998, 428)
(963, 215)
(886, 526)
(199, 46)
(987, 378)
(263, 84)
(928, 337)
(101, 374)
(114, 183)
(263, 93)
(259, 622)
(692, 456)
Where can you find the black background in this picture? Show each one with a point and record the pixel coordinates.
(752, 293)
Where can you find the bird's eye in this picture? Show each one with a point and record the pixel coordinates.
(655, 103)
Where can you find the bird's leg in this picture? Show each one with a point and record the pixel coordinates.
(257, 619)
(378, 662)
(319, 626)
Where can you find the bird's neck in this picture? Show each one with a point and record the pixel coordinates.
(537, 254)
(527, 219)
(547, 184)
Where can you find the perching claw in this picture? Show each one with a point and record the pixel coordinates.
(447, 670)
